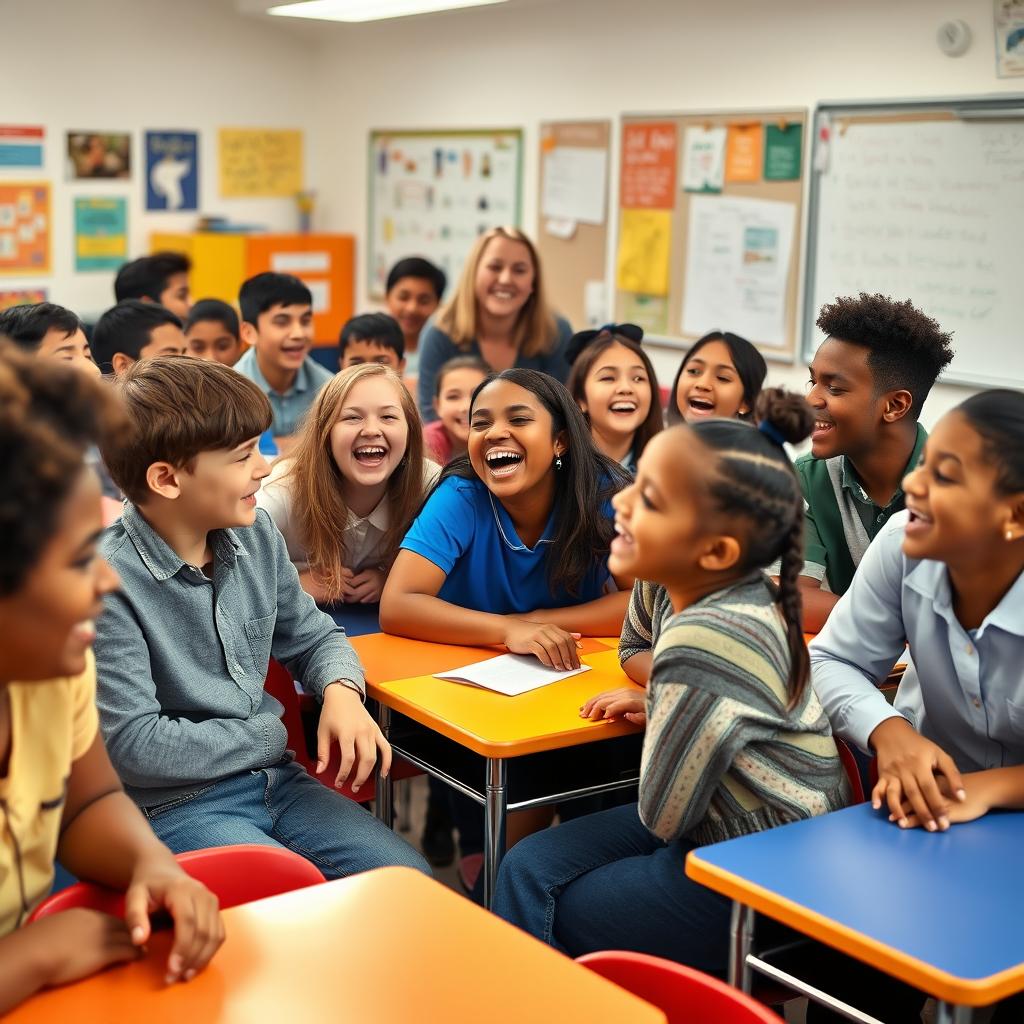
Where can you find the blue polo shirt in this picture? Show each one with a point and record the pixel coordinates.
(289, 408)
(466, 532)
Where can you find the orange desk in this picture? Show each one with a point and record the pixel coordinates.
(490, 724)
(388, 947)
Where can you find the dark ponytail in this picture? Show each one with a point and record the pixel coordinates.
(998, 417)
(755, 479)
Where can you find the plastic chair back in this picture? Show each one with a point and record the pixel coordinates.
(685, 995)
(234, 874)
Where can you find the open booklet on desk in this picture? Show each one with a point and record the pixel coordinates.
(510, 674)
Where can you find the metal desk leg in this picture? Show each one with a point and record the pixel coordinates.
(741, 931)
(383, 804)
(495, 811)
(949, 1014)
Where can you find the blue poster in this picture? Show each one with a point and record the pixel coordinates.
(172, 171)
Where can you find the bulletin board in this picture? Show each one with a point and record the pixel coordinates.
(431, 193)
(924, 200)
(710, 210)
(572, 223)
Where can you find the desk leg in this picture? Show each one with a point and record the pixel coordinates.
(384, 802)
(741, 931)
(494, 823)
(949, 1014)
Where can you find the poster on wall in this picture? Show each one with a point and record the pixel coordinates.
(433, 193)
(21, 297)
(649, 166)
(172, 171)
(257, 162)
(1009, 25)
(21, 145)
(24, 227)
(99, 155)
(101, 232)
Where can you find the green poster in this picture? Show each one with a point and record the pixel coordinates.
(782, 148)
(647, 311)
(101, 233)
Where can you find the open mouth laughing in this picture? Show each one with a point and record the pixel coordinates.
(503, 462)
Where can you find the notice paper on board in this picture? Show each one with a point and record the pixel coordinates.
(510, 674)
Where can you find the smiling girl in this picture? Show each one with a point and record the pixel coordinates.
(498, 312)
(344, 500)
(614, 384)
(721, 375)
(736, 741)
(508, 548)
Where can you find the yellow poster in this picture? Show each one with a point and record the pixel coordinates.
(260, 162)
(644, 250)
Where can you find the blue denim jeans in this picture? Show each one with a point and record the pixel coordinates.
(605, 882)
(283, 806)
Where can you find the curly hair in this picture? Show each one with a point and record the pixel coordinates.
(907, 349)
(50, 414)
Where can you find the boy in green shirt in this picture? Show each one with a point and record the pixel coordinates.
(868, 382)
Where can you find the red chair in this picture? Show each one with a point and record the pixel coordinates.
(685, 995)
(234, 874)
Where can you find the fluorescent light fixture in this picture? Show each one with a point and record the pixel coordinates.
(370, 10)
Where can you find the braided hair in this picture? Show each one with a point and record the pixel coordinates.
(755, 480)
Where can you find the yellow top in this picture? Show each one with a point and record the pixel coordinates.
(52, 724)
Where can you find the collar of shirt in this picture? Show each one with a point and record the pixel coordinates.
(303, 378)
(930, 579)
(159, 557)
(507, 530)
(378, 518)
(851, 482)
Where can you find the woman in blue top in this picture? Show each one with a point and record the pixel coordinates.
(498, 312)
(508, 548)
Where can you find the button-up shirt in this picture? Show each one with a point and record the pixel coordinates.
(182, 658)
(965, 689)
(291, 406)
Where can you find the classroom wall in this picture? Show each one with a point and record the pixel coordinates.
(535, 60)
(131, 65)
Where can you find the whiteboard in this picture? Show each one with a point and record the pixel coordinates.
(433, 193)
(930, 210)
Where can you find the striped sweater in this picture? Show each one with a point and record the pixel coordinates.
(722, 755)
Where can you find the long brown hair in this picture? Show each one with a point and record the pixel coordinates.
(584, 363)
(315, 482)
(535, 330)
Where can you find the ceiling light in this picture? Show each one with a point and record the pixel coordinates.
(370, 10)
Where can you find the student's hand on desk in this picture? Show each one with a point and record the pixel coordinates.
(553, 646)
(910, 770)
(976, 804)
(363, 587)
(76, 943)
(343, 718)
(621, 703)
(159, 883)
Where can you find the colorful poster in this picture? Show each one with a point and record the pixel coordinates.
(21, 297)
(649, 311)
(101, 233)
(738, 254)
(644, 251)
(1009, 23)
(260, 162)
(172, 171)
(782, 151)
(743, 153)
(648, 166)
(21, 145)
(99, 155)
(703, 159)
(24, 227)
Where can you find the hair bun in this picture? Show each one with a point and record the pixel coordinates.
(788, 414)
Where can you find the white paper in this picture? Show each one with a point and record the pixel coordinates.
(560, 227)
(737, 266)
(510, 674)
(300, 262)
(704, 159)
(575, 179)
(321, 292)
(595, 303)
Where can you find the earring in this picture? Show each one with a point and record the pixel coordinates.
(558, 465)
(1009, 534)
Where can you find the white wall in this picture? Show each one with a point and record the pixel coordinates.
(566, 59)
(131, 65)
